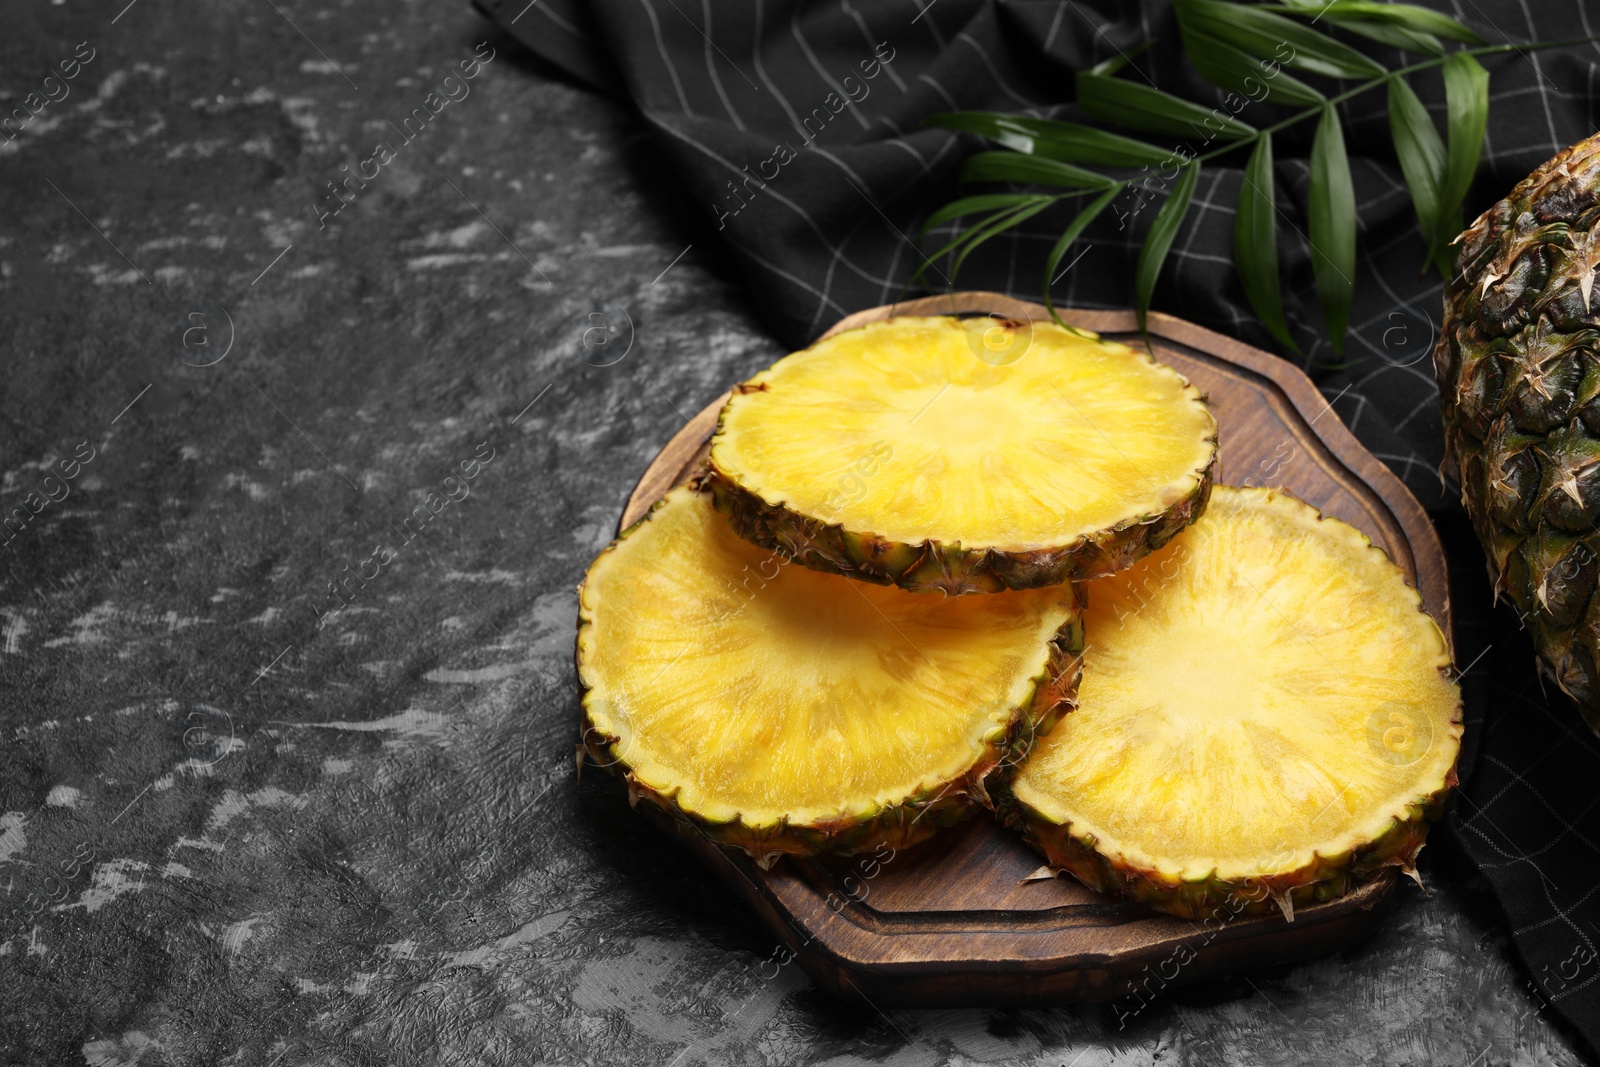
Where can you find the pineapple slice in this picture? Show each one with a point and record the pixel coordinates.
(964, 456)
(1265, 716)
(780, 709)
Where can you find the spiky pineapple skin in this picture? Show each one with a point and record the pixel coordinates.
(1518, 366)
(1325, 878)
(931, 566)
(898, 826)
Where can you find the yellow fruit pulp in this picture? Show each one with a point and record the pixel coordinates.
(1263, 688)
(753, 687)
(914, 430)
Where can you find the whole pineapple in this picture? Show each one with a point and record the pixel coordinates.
(1518, 365)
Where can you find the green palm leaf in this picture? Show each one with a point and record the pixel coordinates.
(1332, 217)
(1255, 242)
(1398, 37)
(971, 205)
(1029, 170)
(1141, 107)
(1068, 142)
(1016, 218)
(1158, 242)
(1109, 66)
(1268, 36)
(1069, 235)
(1353, 13)
(1421, 152)
(983, 229)
(1248, 49)
(1466, 93)
(1220, 63)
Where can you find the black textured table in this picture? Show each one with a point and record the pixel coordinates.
(295, 497)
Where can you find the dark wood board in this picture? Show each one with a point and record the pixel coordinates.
(955, 921)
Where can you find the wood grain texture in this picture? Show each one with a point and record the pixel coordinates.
(955, 921)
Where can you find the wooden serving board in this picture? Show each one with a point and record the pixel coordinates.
(955, 921)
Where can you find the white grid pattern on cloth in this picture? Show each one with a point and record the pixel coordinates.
(948, 99)
(761, 69)
(983, 56)
(866, 38)
(661, 48)
(704, 149)
(1566, 732)
(923, 18)
(816, 64)
(711, 66)
(1055, 25)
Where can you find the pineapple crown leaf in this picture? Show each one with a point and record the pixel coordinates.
(1243, 48)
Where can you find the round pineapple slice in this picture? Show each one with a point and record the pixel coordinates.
(1265, 717)
(964, 456)
(780, 709)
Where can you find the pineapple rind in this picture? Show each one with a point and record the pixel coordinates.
(933, 566)
(1321, 880)
(946, 565)
(1519, 392)
(1392, 838)
(1051, 695)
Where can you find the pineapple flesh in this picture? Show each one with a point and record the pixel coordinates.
(1265, 717)
(1519, 388)
(964, 456)
(780, 709)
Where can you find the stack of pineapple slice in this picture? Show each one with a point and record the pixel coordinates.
(1265, 711)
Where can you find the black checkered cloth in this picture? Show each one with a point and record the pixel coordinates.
(793, 132)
